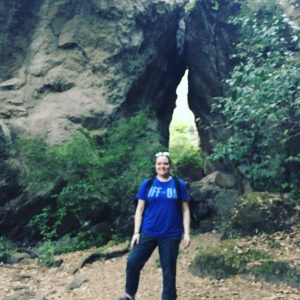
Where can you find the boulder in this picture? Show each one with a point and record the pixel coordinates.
(213, 197)
(14, 258)
(258, 212)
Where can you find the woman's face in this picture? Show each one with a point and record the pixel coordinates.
(162, 166)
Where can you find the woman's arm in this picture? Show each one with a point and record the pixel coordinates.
(137, 222)
(186, 224)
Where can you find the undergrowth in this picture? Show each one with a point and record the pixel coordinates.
(89, 181)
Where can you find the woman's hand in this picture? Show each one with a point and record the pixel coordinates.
(135, 240)
(186, 241)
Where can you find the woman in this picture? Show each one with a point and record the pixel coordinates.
(161, 219)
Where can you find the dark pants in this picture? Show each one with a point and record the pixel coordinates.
(138, 256)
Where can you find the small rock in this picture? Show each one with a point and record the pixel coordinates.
(20, 288)
(66, 40)
(57, 263)
(77, 282)
(14, 258)
(24, 294)
(71, 270)
(21, 277)
(11, 84)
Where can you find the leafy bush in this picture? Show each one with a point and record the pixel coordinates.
(262, 107)
(48, 249)
(89, 183)
(46, 254)
(115, 240)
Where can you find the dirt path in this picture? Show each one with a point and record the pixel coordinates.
(105, 280)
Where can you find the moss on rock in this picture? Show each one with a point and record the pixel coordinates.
(232, 257)
(261, 212)
(224, 260)
(277, 271)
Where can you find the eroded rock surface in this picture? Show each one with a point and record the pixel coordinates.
(82, 63)
(87, 59)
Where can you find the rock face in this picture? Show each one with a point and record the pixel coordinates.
(79, 64)
(88, 59)
(292, 10)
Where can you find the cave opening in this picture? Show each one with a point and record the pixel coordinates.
(184, 140)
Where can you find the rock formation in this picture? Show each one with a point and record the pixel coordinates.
(71, 64)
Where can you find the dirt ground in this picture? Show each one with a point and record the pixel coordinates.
(104, 280)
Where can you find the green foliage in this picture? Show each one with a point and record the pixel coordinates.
(224, 260)
(115, 240)
(40, 222)
(5, 247)
(262, 108)
(46, 254)
(215, 5)
(67, 243)
(189, 5)
(278, 272)
(185, 153)
(157, 263)
(87, 181)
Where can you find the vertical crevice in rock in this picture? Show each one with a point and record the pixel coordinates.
(209, 41)
(156, 87)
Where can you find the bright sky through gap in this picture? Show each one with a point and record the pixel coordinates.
(183, 116)
(182, 111)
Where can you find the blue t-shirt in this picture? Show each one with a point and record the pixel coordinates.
(162, 214)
